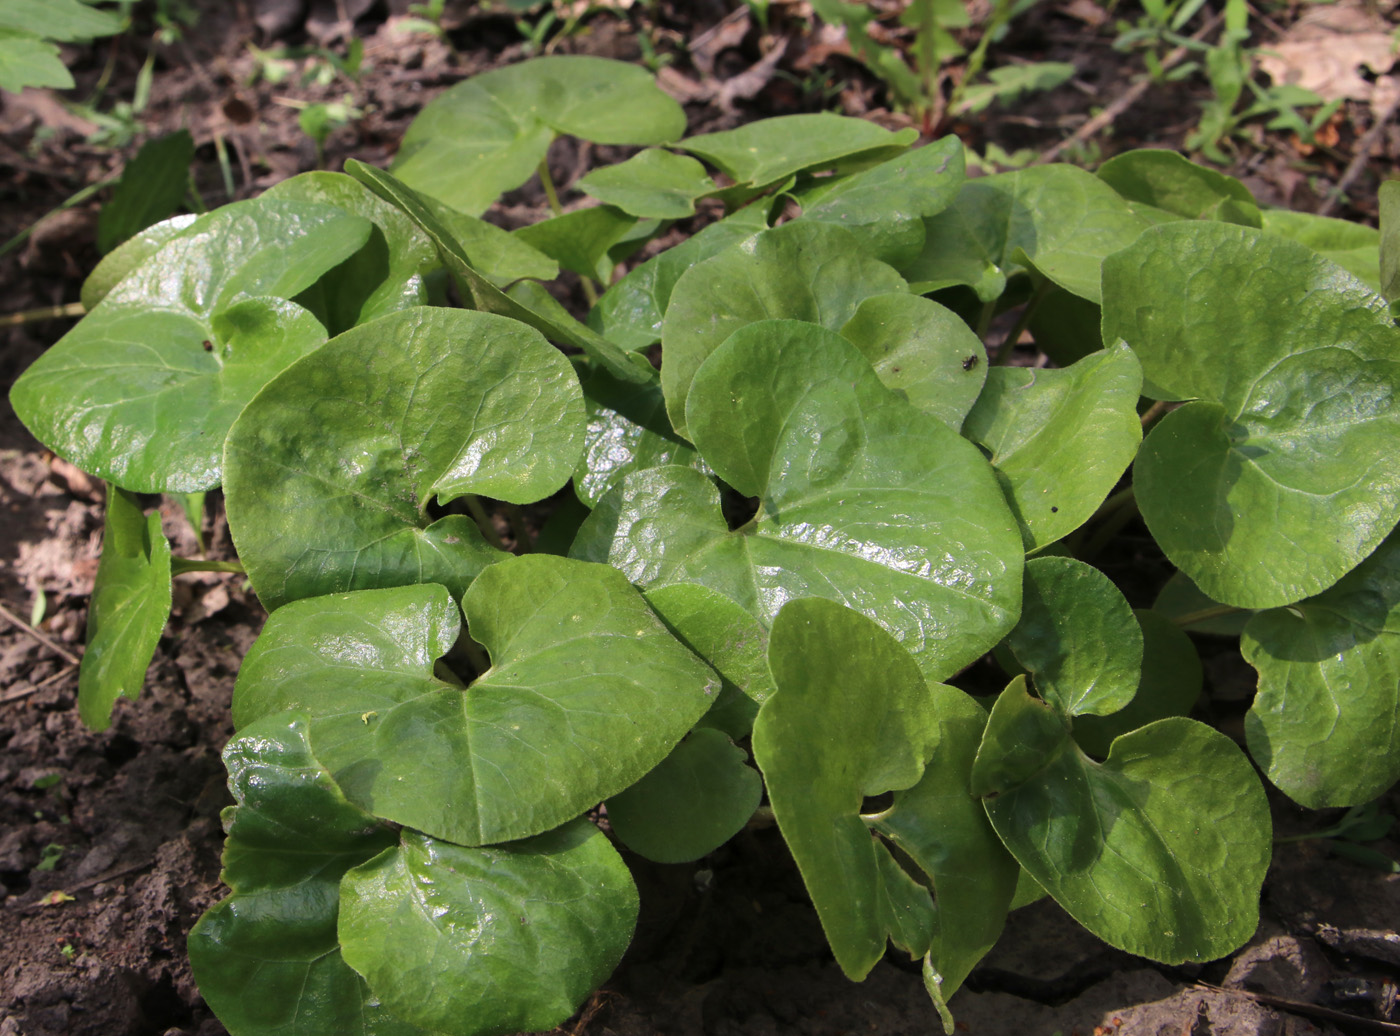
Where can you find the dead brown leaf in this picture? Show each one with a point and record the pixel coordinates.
(1326, 49)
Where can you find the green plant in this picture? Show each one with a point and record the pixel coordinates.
(29, 32)
(831, 500)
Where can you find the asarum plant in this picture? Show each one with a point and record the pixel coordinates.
(427, 719)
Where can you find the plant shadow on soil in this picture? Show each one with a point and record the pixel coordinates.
(726, 946)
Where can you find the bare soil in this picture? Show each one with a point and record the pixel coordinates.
(109, 842)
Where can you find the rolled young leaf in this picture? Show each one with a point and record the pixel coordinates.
(142, 391)
(586, 693)
(479, 942)
(332, 467)
(129, 607)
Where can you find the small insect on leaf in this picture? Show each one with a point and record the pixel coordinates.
(970, 362)
(365, 717)
(208, 346)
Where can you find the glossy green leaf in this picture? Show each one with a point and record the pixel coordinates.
(1160, 850)
(653, 184)
(1325, 725)
(769, 150)
(1077, 636)
(64, 20)
(1171, 682)
(473, 942)
(587, 692)
(1354, 247)
(130, 254)
(129, 606)
(152, 186)
(1180, 598)
(1026, 418)
(29, 60)
(384, 276)
(627, 431)
(267, 958)
(482, 294)
(487, 135)
(1176, 187)
(1057, 218)
(922, 350)
(813, 272)
(731, 642)
(332, 467)
(696, 799)
(580, 240)
(631, 311)
(852, 717)
(885, 207)
(143, 389)
(1389, 199)
(941, 827)
(884, 509)
(1283, 475)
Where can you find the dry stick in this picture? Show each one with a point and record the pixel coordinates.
(32, 316)
(1130, 96)
(43, 638)
(1364, 147)
(28, 691)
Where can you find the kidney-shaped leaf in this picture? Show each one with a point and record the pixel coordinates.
(130, 603)
(922, 349)
(267, 957)
(1078, 637)
(1284, 474)
(1159, 850)
(332, 467)
(587, 691)
(1325, 725)
(1059, 439)
(1171, 186)
(696, 799)
(487, 135)
(1060, 219)
(865, 500)
(814, 272)
(473, 942)
(852, 717)
(143, 389)
(131, 253)
(653, 184)
(1352, 246)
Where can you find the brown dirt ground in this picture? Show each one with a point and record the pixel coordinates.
(94, 944)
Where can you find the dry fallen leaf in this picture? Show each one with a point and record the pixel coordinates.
(1325, 50)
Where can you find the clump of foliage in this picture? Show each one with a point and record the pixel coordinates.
(788, 543)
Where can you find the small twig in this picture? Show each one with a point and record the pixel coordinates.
(1215, 611)
(43, 638)
(547, 181)
(1129, 97)
(32, 316)
(28, 691)
(484, 522)
(1153, 412)
(1364, 147)
(90, 882)
(181, 566)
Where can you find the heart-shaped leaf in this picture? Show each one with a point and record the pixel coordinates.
(631, 311)
(1171, 683)
(471, 942)
(580, 240)
(1078, 636)
(483, 294)
(940, 826)
(696, 799)
(804, 271)
(1170, 186)
(627, 431)
(130, 603)
(1057, 218)
(586, 693)
(397, 420)
(922, 350)
(885, 207)
(1025, 417)
(131, 253)
(1282, 476)
(152, 186)
(885, 509)
(852, 717)
(1324, 724)
(652, 184)
(487, 135)
(267, 957)
(1352, 246)
(1160, 850)
(770, 150)
(143, 389)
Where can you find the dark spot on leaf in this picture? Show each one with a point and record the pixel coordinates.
(1054, 510)
(208, 346)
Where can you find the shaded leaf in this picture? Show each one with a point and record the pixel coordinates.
(580, 240)
(1179, 597)
(1175, 187)
(653, 184)
(152, 187)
